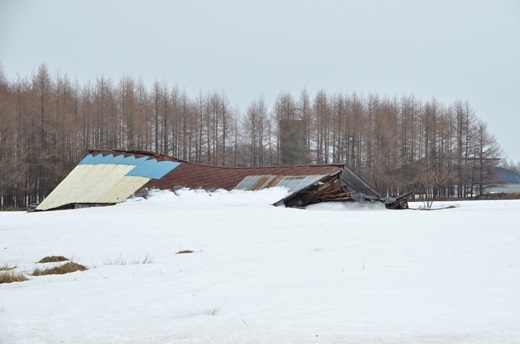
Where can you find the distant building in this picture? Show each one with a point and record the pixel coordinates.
(506, 181)
(292, 142)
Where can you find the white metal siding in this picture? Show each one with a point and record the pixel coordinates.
(99, 183)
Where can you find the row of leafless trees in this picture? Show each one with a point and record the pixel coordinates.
(47, 122)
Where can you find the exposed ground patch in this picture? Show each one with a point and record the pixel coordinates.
(8, 275)
(53, 259)
(60, 270)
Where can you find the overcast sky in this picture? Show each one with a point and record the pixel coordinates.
(448, 49)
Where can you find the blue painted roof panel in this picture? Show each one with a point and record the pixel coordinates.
(86, 159)
(144, 166)
(153, 169)
(111, 159)
(100, 159)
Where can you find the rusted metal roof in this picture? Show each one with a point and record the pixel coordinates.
(195, 176)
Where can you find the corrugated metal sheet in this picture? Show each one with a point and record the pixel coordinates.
(354, 183)
(194, 176)
(292, 183)
(122, 189)
(106, 179)
(142, 167)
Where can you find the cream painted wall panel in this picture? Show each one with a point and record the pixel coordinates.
(85, 184)
(101, 178)
(65, 191)
(123, 189)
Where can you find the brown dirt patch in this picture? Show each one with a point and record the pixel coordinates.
(53, 259)
(60, 270)
(11, 276)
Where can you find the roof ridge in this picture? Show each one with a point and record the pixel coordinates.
(167, 157)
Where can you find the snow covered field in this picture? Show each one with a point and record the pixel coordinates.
(262, 274)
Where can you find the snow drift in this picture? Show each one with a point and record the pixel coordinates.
(262, 274)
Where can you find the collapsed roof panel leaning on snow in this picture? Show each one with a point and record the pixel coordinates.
(106, 177)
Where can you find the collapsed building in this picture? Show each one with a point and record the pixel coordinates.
(107, 177)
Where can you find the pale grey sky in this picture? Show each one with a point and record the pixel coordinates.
(448, 49)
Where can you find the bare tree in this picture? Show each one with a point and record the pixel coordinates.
(487, 156)
(255, 127)
(322, 115)
(463, 122)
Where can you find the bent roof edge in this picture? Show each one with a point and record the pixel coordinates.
(168, 157)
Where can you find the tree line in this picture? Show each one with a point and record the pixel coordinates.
(396, 144)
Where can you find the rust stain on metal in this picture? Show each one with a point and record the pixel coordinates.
(261, 181)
